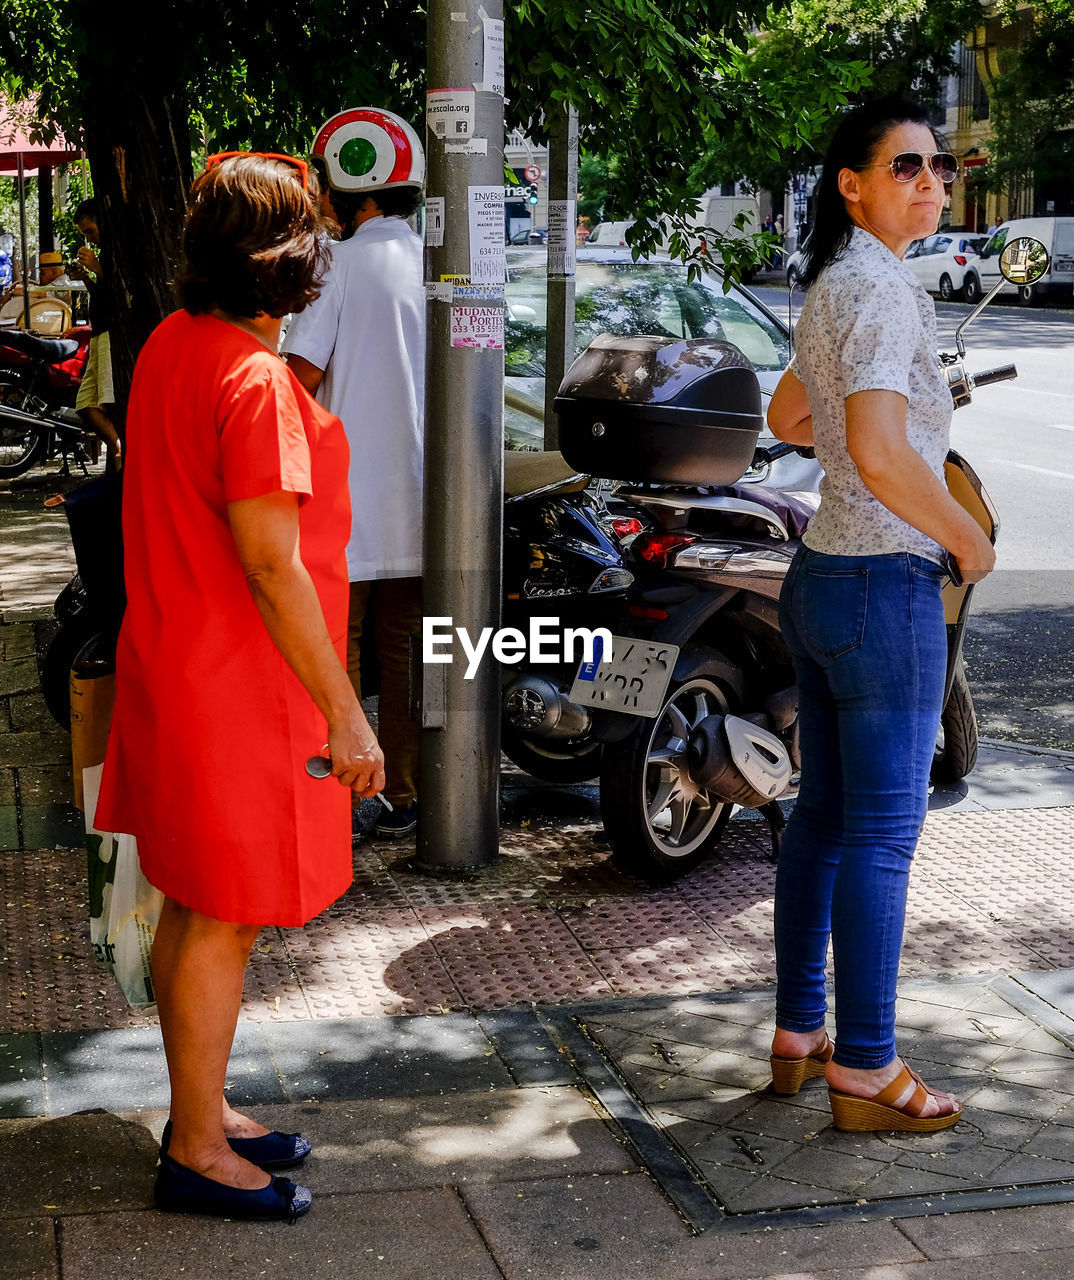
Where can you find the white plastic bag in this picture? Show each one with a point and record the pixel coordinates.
(124, 906)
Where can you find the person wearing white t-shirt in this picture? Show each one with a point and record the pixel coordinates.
(360, 349)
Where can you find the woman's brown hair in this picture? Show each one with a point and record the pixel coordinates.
(253, 240)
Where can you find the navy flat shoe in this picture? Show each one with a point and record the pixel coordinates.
(181, 1190)
(270, 1152)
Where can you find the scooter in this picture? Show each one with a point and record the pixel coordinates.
(39, 380)
(697, 707)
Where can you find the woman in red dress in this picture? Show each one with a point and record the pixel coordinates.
(230, 668)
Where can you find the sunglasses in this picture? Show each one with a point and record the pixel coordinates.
(908, 164)
(302, 167)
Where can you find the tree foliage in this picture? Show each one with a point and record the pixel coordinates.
(895, 45)
(656, 82)
(1032, 107)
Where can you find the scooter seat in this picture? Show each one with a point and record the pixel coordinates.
(795, 510)
(528, 472)
(51, 350)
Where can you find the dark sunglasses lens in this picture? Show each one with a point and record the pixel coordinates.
(945, 166)
(907, 166)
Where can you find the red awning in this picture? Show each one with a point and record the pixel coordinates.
(16, 120)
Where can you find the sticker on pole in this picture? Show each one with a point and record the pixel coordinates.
(488, 261)
(562, 243)
(449, 113)
(434, 221)
(480, 327)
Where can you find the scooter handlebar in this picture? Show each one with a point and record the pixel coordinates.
(1002, 374)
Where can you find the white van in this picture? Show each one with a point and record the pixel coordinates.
(610, 233)
(1057, 236)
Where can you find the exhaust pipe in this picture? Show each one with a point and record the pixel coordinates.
(535, 706)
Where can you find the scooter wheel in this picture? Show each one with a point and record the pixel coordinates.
(56, 663)
(957, 740)
(659, 821)
(580, 763)
(20, 448)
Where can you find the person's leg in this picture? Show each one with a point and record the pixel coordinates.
(198, 969)
(357, 610)
(889, 693)
(811, 846)
(396, 619)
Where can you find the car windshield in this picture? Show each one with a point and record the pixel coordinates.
(636, 298)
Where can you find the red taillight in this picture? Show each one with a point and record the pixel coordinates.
(647, 611)
(658, 548)
(626, 526)
(960, 259)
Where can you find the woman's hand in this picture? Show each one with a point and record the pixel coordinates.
(977, 558)
(357, 760)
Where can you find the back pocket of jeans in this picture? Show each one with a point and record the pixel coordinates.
(833, 614)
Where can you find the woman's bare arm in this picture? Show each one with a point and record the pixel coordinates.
(266, 534)
(896, 474)
(789, 415)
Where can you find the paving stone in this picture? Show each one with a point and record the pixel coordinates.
(30, 712)
(28, 1249)
(19, 675)
(993, 1232)
(1054, 1264)
(17, 641)
(835, 1170)
(378, 1057)
(525, 1048)
(109, 1070)
(9, 828)
(7, 787)
(451, 1139)
(22, 1090)
(1055, 987)
(93, 1163)
(48, 785)
(621, 1228)
(52, 826)
(34, 748)
(392, 1235)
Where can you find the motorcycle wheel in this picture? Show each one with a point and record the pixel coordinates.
(956, 742)
(20, 448)
(542, 759)
(56, 664)
(659, 822)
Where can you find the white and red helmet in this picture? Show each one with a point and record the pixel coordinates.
(368, 149)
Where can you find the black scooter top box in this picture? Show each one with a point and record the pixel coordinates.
(660, 410)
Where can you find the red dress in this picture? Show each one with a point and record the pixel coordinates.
(212, 729)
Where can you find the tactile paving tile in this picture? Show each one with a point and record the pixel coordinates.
(519, 955)
(273, 991)
(50, 979)
(641, 920)
(676, 965)
(368, 963)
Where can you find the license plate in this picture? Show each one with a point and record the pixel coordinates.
(633, 680)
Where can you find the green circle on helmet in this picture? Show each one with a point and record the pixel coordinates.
(357, 157)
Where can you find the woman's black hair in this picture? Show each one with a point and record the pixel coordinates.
(852, 147)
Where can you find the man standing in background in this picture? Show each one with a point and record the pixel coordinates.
(360, 349)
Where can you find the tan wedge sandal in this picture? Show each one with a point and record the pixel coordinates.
(865, 1115)
(789, 1074)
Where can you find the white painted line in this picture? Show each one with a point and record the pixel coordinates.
(1060, 426)
(1041, 471)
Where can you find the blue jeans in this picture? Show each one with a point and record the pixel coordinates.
(869, 645)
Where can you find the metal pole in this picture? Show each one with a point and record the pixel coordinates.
(562, 209)
(458, 827)
(46, 226)
(25, 247)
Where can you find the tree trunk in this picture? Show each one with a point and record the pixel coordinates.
(136, 119)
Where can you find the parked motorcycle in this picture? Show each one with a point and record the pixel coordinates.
(39, 380)
(697, 707)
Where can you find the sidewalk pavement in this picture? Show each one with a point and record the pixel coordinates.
(578, 1090)
(549, 1070)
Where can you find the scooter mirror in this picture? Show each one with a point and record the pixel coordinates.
(1023, 261)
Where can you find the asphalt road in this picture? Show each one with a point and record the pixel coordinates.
(1019, 437)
